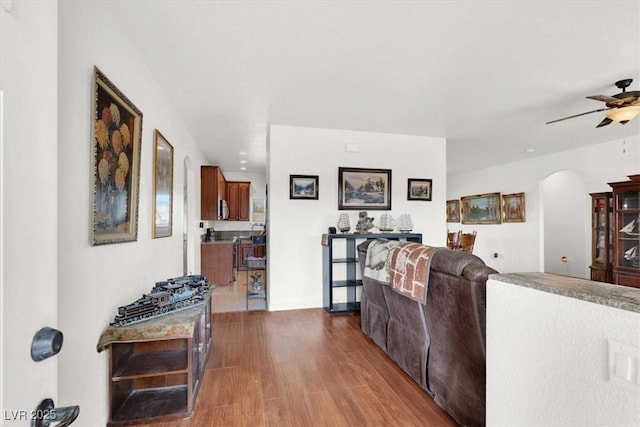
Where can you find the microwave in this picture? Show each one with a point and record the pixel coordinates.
(223, 212)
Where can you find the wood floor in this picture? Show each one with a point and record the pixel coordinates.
(304, 368)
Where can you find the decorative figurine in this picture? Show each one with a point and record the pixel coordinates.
(165, 297)
(365, 223)
(387, 223)
(344, 225)
(405, 224)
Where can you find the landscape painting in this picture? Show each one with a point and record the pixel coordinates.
(360, 189)
(303, 187)
(481, 209)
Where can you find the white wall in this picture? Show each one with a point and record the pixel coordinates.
(295, 226)
(519, 244)
(28, 195)
(548, 362)
(94, 281)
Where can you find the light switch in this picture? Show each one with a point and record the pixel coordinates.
(623, 363)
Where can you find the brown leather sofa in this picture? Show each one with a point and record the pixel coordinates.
(441, 345)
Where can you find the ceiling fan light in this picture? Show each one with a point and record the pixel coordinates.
(624, 114)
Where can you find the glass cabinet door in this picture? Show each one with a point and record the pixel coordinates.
(628, 229)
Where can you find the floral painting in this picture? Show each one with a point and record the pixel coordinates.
(115, 164)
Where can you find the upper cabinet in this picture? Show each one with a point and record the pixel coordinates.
(213, 189)
(238, 200)
(626, 229)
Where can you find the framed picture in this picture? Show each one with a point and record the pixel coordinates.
(419, 189)
(360, 189)
(162, 187)
(453, 210)
(513, 207)
(115, 165)
(303, 187)
(481, 209)
(258, 210)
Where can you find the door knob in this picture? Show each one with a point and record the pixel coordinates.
(46, 413)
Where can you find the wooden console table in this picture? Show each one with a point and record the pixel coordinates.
(155, 367)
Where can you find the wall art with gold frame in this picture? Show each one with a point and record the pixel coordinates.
(115, 165)
(513, 209)
(481, 209)
(162, 187)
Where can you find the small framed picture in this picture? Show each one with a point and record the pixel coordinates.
(513, 207)
(453, 210)
(303, 187)
(419, 189)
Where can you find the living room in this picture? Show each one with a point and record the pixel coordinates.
(49, 50)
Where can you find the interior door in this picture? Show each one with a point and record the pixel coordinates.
(28, 204)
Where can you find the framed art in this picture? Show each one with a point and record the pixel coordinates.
(115, 165)
(419, 189)
(513, 209)
(481, 209)
(304, 187)
(453, 210)
(162, 187)
(258, 210)
(360, 189)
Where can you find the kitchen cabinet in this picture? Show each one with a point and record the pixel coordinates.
(213, 188)
(601, 237)
(216, 260)
(626, 230)
(238, 200)
(157, 378)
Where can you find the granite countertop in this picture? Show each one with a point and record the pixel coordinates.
(621, 297)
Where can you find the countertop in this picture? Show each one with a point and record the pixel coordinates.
(621, 297)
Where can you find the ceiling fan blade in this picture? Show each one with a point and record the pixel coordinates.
(578, 115)
(603, 98)
(604, 122)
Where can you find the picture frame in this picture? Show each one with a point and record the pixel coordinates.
(303, 187)
(115, 164)
(162, 187)
(258, 210)
(364, 189)
(513, 207)
(419, 189)
(453, 210)
(481, 209)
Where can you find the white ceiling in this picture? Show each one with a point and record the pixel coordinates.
(486, 75)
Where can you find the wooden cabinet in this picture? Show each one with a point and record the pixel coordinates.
(626, 231)
(216, 260)
(213, 188)
(340, 272)
(238, 199)
(158, 379)
(602, 237)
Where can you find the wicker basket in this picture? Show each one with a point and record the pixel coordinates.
(255, 262)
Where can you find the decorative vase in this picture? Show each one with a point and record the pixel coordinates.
(344, 225)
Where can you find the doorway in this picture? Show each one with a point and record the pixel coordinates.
(565, 211)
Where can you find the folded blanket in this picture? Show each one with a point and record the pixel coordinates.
(404, 266)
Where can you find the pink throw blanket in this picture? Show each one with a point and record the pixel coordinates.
(410, 266)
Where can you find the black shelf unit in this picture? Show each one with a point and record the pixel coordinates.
(350, 280)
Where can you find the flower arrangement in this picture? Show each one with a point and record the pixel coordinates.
(114, 144)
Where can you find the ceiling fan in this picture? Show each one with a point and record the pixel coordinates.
(622, 107)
